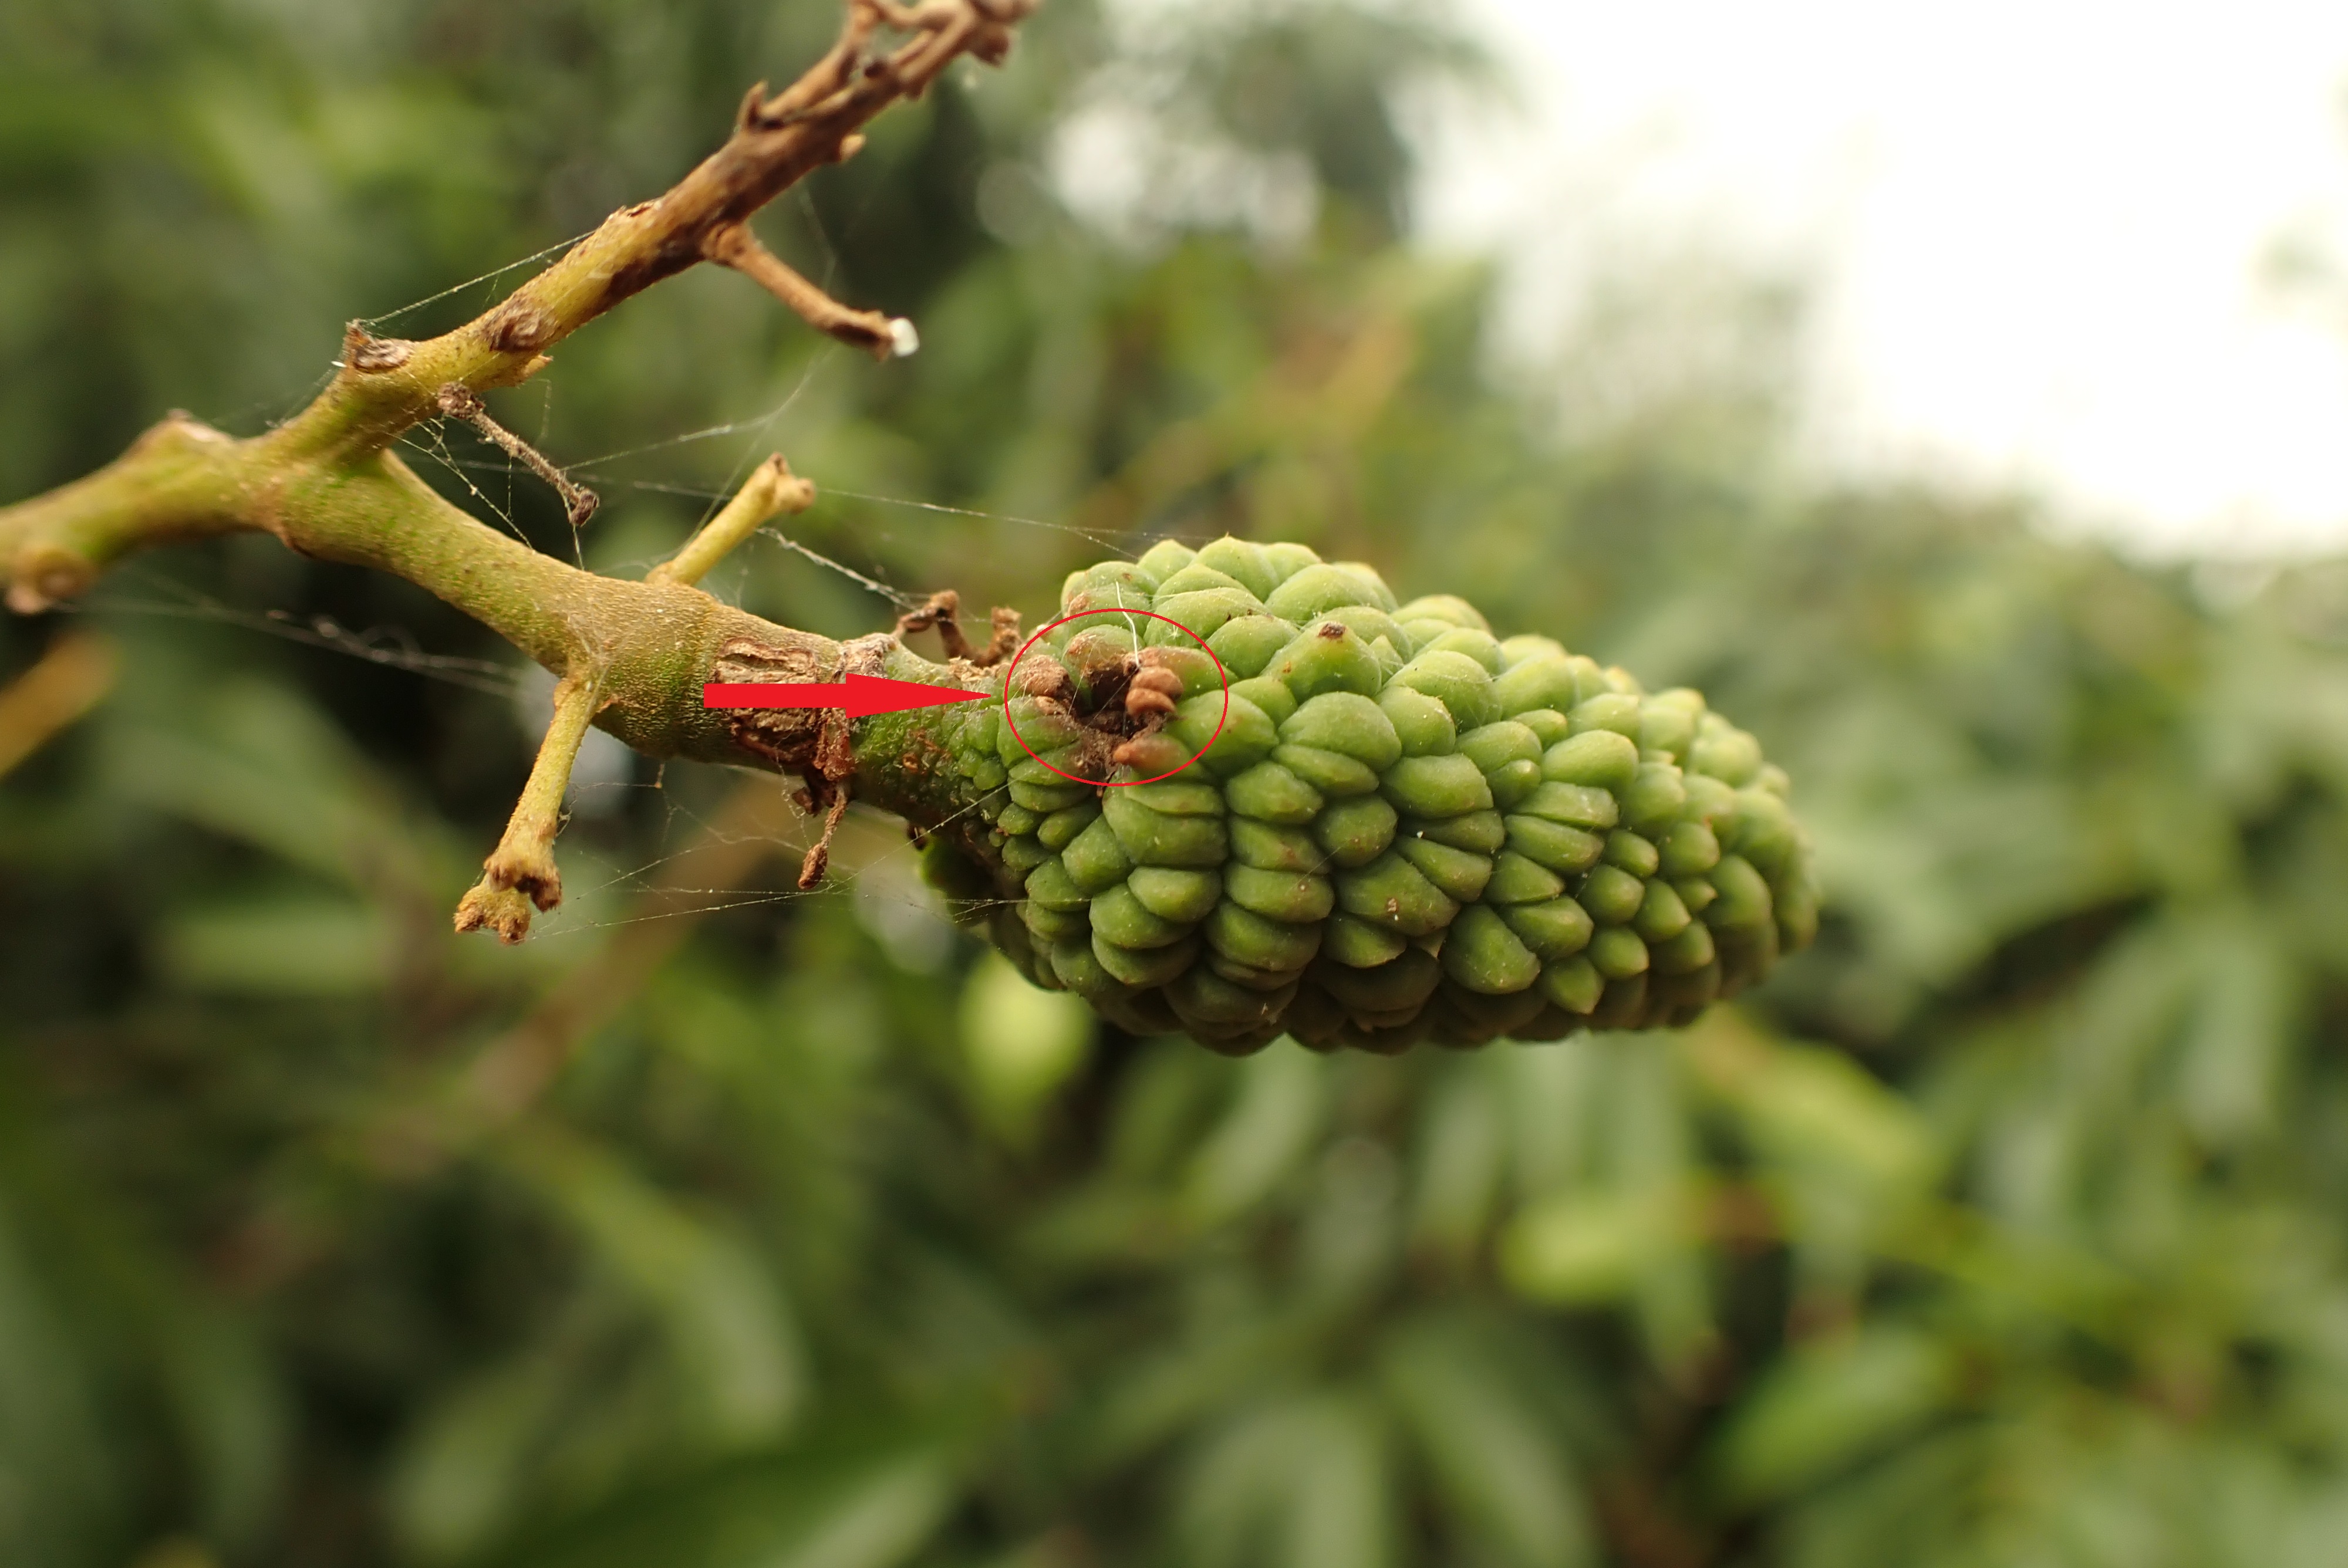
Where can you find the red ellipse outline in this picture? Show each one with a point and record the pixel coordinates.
(1108, 784)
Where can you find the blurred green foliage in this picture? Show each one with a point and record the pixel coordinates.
(722, 1226)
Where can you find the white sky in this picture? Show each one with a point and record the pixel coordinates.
(2039, 228)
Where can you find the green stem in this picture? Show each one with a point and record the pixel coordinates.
(647, 647)
(771, 488)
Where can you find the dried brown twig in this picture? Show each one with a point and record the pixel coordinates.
(460, 402)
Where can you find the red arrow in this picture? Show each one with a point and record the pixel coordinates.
(861, 695)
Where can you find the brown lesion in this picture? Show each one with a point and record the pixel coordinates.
(1122, 703)
(1152, 692)
(787, 739)
(816, 744)
(813, 743)
(1151, 695)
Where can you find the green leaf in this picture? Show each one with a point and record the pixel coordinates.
(461, 1477)
(257, 764)
(284, 947)
(1497, 1468)
(1462, 1150)
(853, 1503)
(2237, 1031)
(61, 1493)
(1300, 1484)
(1262, 1138)
(715, 1297)
(1339, 1511)
(1830, 1404)
(1811, 1109)
(1580, 1249)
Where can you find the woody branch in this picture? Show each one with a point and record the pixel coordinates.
(633, 655)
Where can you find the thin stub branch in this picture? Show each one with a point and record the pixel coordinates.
(771, 488)
(819, 856)
(520, 872)
(883, 337)
(69, 680)
(458, 402)
(944, 611)
(1003, 636)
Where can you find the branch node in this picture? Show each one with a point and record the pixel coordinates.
(521, 326)
(370, 356)
(834, 768)
(749, 116)
(326, 483)
(46, 574)
(941, 611)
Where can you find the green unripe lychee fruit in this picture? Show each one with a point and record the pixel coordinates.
(1379, 824)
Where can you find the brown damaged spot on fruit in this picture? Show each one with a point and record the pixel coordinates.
(1152, 694)
(1046, 681)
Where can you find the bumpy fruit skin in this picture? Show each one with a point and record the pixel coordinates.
(1406, 830)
